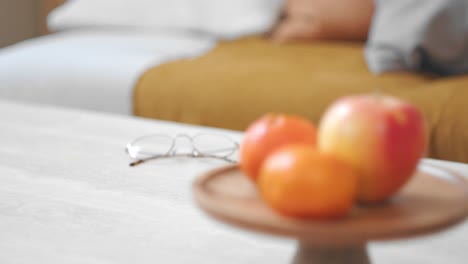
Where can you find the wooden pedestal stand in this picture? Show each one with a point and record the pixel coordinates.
(425, 205)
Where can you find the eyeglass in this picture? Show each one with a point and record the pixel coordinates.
(202, 145)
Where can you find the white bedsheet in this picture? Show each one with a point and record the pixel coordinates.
(95, 70)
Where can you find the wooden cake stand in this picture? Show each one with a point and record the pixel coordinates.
(425, 205)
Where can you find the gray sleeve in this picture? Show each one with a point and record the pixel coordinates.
(415, 35)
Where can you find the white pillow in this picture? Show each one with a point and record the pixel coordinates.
(221, 18)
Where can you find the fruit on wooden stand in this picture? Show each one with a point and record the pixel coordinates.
(366, 148)
(297, 180)
(381, 136)
(270, 132)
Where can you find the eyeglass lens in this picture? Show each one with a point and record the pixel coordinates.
(148, 146)
(211, 144)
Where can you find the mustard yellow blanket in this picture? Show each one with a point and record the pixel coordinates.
(240, 80)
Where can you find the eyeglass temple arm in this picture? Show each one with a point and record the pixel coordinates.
(196, 155)
(139, 161)
(132, 164)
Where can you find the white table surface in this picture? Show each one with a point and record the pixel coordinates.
(67, 195)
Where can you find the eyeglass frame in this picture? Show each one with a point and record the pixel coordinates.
(172, 150)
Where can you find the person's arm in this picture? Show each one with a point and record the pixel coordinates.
(325, 19)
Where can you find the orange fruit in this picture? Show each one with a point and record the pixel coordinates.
(297, 180)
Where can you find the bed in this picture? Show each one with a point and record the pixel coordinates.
(89, 68)
(99, 49)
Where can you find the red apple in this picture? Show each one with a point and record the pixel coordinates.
(383, 137)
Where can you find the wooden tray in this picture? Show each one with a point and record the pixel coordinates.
(425, 205)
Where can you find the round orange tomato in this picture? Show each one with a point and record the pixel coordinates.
(299, 181)
(270, 132)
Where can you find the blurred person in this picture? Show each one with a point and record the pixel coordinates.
(401, 35)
